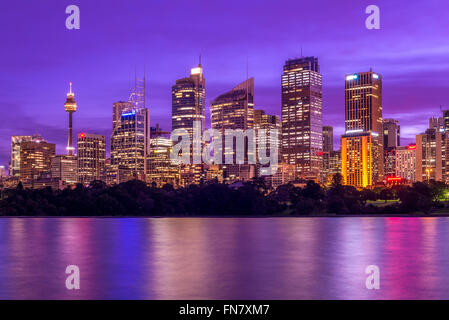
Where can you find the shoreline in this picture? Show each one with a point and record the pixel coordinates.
(443, 215)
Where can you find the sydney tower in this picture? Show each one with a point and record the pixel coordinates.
(70, 107)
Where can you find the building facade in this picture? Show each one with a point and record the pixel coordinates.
(302, 132)
(188, 109)
(91, 157)
(362, 144)
(406, 163)
(391, 133)
(14, 167)
(65, 168)
(234, 110)
(130, 144)
(35, 158)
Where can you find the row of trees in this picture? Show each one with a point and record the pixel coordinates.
(135, 198)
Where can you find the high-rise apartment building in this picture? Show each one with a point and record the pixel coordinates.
(14, 166)
(362, 144)
(302, 132)
(91, 157)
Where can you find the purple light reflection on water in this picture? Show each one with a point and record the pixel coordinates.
(229, 258)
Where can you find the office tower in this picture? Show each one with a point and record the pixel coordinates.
(130, 140)
(390, 161)
(302, 132)
(436, 123)
(91, 157)
(235, 110)
(328, 139)
(331, 166)
(35, 158)
(328, 149)
(161, 170)
(188, 108)
(70, 108)
(267, 122)
(446, 120)
(429, 155)
(118, 108)
(2, 172)
(130, 145)
(406, 163)
(65, 168)
(188, 101)
(362, 143)
(391, 133)
(14, 167)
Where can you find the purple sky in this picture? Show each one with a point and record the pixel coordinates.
(39, 57)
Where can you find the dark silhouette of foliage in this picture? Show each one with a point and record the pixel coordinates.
(136, 198)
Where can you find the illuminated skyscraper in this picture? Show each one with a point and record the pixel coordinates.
(267, 122)
(117, 109)
(406, 162)
(35, 158)
(70, 108)
(362, 143)
(161, 170)
(302, 132)
(130, 144)
(188, 96)
(188, 107)
(235, 110)
(91, 157)
(130, 141)
(14, 168)
(65, 168)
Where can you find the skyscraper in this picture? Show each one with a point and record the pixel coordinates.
(234, 110)
(35, 158)
(406, 162)
(161, 170)
(188, 105)
(362, 143)
(328, 139)
(14, 167)
(188, 108)
(91, 157)
(70, 108)
(130, 145)
(267, 122)
(302, 132)
(130, 140)
(429, 155)
(65, 168)
(391, 133)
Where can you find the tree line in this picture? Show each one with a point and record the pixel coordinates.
(136, 198)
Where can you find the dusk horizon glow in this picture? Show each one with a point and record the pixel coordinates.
(41, 57)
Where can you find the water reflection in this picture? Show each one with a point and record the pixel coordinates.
(192, 258)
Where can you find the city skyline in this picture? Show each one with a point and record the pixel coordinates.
(405, 65)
